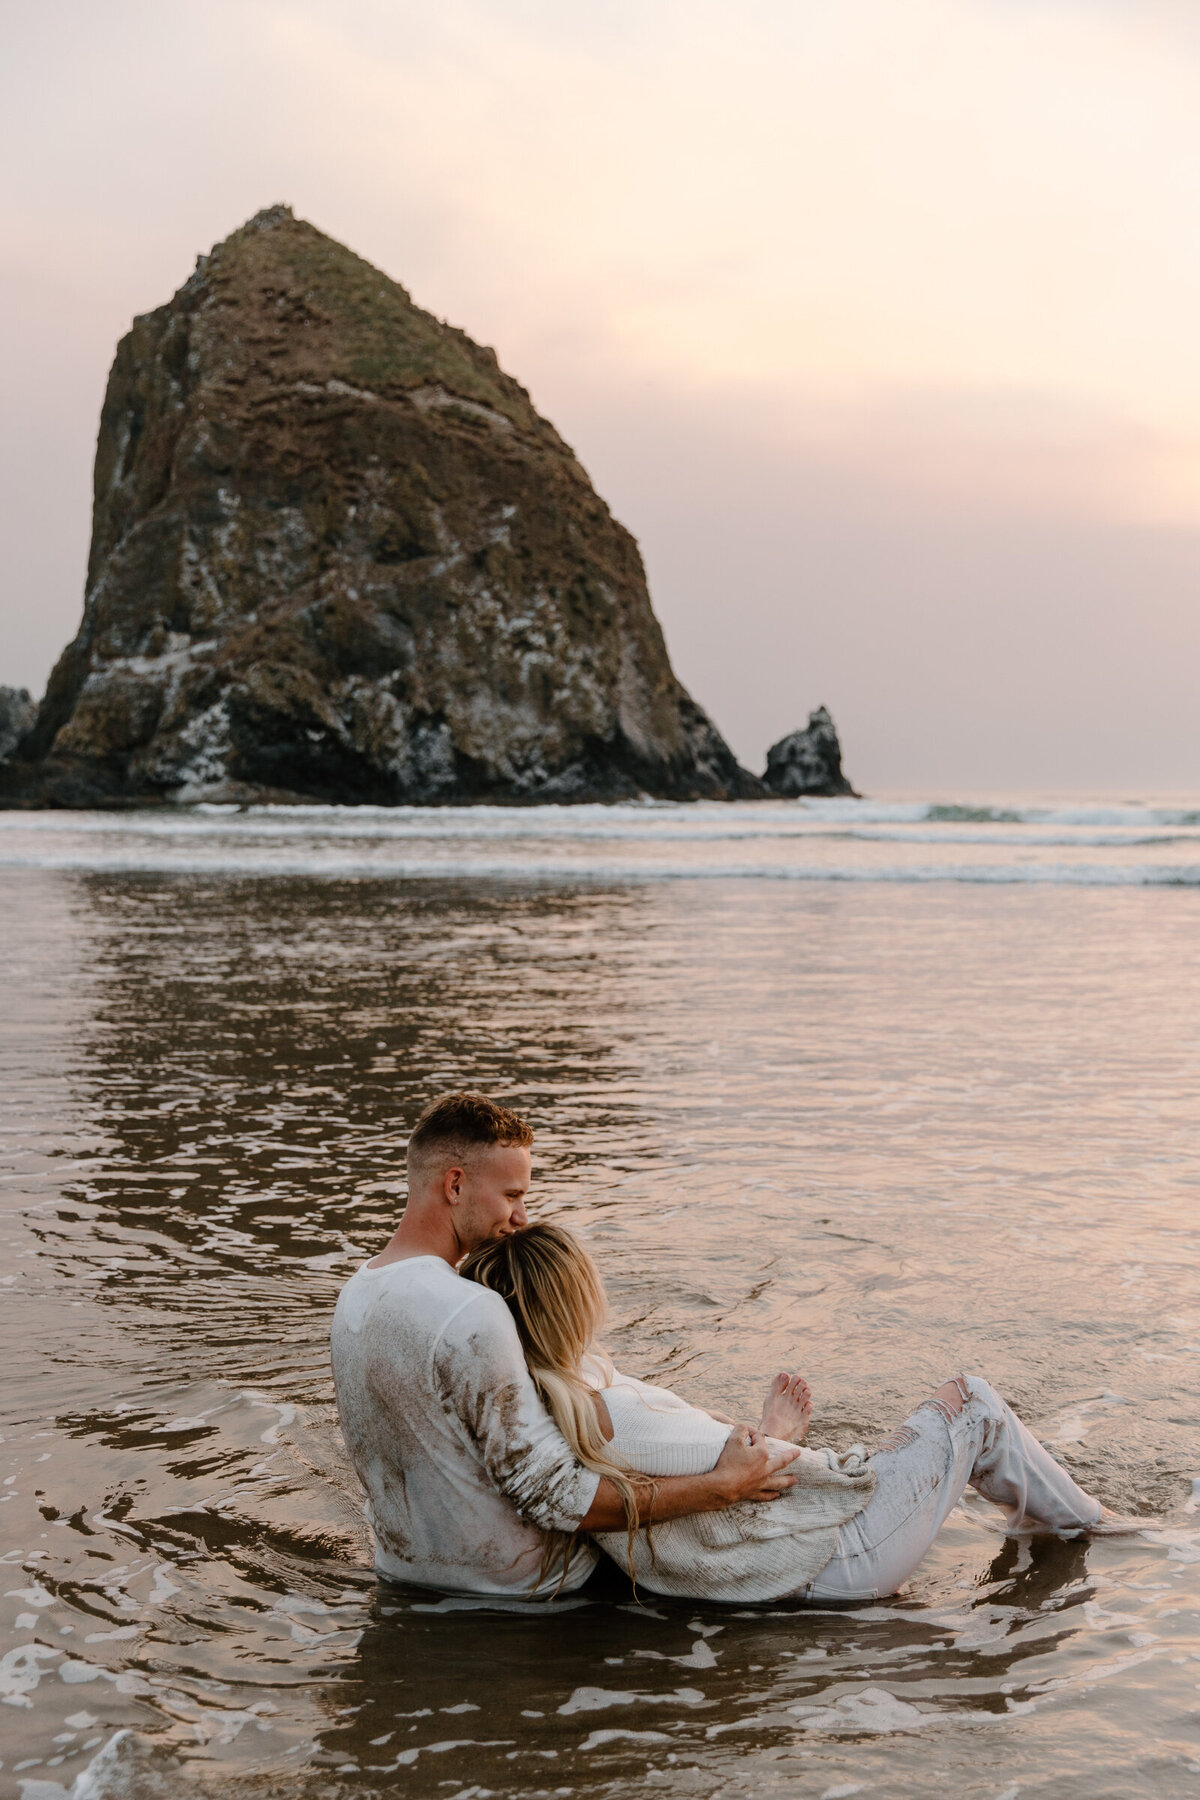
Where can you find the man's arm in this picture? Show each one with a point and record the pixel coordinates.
(746, 1470)
(480, 1369)
(484, 1378)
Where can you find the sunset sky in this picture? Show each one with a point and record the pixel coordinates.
(876, 321)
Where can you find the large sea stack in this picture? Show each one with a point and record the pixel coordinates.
(337, 555)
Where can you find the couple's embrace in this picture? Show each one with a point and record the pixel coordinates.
(498, 1445)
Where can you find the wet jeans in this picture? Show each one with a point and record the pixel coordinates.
(923, 1468)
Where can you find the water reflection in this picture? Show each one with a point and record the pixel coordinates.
(532, 1688)
(882, 1133)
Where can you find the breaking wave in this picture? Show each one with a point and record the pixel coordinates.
(1097, 844)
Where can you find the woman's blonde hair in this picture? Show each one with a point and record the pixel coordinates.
(554, 1292)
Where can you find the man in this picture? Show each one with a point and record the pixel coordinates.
(466, 1474)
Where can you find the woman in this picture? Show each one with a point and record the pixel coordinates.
(853, 1528)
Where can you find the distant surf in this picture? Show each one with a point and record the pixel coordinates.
(1097, 843)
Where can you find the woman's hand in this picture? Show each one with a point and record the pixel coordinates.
(748, 1469)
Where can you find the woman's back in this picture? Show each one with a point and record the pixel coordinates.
(657, 1433)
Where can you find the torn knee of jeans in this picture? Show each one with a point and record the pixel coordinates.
(950, 1398)
(899, 1439)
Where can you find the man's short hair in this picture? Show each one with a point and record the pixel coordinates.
(454, 1125)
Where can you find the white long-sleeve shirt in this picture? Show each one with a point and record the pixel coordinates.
(464, 1470)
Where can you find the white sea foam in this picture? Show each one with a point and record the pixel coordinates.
(596, 1739)
(445, 827)
(873, 1710)
(127, 1767)
(594, 1699)
(1097, 845)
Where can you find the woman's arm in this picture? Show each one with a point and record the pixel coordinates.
(745, 1470)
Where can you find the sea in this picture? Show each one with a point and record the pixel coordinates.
(872, 1090)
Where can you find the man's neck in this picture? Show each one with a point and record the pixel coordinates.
(419, 1237)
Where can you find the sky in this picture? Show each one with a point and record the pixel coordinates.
(876, 321)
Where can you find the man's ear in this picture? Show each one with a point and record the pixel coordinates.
(452, 1185)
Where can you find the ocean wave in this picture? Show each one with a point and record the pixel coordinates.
(684, 823)
(599, 871)
(1088, 817)
(813, 840)
(713, 823)
(972, 815)
(1045, 838)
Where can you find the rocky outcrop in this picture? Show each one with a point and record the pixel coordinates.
(337, 555)
(17, 713)
(808, 762)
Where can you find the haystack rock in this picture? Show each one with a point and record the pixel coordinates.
(808, 762)
(337, 555)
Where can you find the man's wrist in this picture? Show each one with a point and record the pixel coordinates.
(724, 1490)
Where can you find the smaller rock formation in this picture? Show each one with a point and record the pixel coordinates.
(17, 713)
(809, 761)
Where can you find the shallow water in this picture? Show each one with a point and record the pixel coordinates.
(877, 1129)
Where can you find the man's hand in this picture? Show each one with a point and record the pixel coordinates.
(748, 1470)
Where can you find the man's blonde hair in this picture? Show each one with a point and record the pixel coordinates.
(455, 1125)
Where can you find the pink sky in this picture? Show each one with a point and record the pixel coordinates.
(875, 322)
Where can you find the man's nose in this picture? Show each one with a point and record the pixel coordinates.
(518, 1218)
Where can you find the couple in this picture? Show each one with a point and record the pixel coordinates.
(497, 1444)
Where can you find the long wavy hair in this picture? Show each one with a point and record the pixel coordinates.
(556, 1297)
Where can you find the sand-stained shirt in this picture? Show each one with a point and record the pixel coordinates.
(465, 1472)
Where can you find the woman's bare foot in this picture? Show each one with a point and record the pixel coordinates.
(788, 1408)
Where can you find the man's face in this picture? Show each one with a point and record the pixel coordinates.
(490, 1195)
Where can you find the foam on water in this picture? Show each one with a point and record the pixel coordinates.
(813, 840)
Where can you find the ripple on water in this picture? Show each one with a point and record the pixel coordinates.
(880, 1133)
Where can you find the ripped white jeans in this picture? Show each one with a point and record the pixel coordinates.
(923, 1468)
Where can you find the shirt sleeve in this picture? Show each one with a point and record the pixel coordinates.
(481, 1373)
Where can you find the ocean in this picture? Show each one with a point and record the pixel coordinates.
(877, 1090)
(1071, 843)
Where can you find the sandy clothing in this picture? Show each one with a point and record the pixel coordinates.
(752, 1551)
(464, 1470)
(924, 1467)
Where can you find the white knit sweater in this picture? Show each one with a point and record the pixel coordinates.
(753, 1551)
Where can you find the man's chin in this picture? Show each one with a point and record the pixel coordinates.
(489, 1237)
